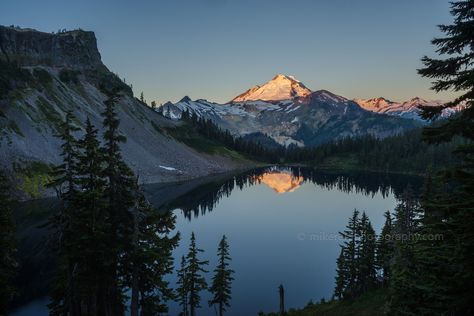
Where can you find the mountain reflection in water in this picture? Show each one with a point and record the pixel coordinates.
(205, 196)
(281, 181)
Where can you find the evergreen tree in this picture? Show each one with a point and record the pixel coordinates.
(453, 209)
(64, 294)
(8, 263)
(183, 288)
(64, 174)
(222, 279)
(403, 292)
(91, 223)
(366, 277)
(356, 268)
(121, 198)
(385, 249)
(435, 263)
(341, 276)
(194, 279)
(350, 249)
(152, 259)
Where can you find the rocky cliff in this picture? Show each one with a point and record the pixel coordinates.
(73, 49)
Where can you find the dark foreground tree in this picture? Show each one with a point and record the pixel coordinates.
(346, 279)
(356, 267)
(366, 277)
(110, 239)
(183, 288)
(64, 293)
(341, 275)
(121, 199)
(8, 264)
(90, 222)
(454, 208)
(194, 278)
(384, 249)
(222, 279)
(403, 297)
(151, 259)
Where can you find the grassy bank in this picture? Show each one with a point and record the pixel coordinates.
(369, 304)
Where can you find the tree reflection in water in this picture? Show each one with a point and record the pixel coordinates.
(205, 197)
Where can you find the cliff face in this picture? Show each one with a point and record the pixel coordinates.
(43, 76)
(73, 49)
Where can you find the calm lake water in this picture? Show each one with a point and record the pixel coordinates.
(282, 225)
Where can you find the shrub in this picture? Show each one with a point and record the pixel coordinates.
(42, 76)
(68, 76)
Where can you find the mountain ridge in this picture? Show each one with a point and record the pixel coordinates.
(408, 109)
(280, 90)
(306, 118)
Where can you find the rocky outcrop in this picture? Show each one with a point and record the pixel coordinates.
(72, 49)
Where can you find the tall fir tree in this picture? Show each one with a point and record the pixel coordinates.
(183, 288)
(356, 266)
(455, 73)
(342, 275)
(91, 222)
(385, 249)
(222, 279)
(64, 293)
(64, 174)
(151, 259)
(8, 262)
(350, 249)
(435, 263)
(402, 292)
(194, 278)
(366, 277)
(121, 198)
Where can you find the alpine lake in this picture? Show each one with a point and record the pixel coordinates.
(282, 225)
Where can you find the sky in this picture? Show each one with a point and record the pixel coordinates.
(217, 49)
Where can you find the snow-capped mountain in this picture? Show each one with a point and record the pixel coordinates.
(280, 88)
(408, 109)
(291, 114)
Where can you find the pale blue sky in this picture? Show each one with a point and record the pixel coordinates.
(216, 49)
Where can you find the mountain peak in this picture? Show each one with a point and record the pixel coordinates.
(285, 77)
(281, 87)
(374, 104)
(186, 99)
(417, 100)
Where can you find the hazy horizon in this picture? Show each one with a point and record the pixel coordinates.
(216, 50)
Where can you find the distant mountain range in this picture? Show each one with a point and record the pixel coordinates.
(287, 112)
(409, 109)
